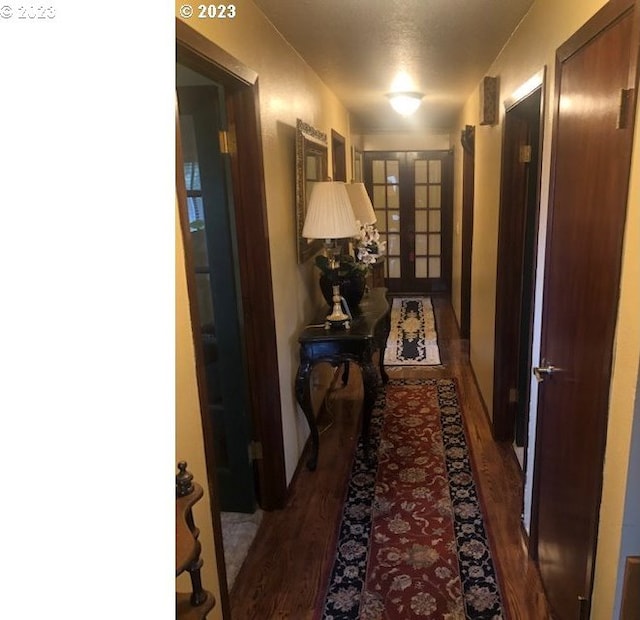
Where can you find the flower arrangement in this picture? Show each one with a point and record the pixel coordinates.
(346, 267)
(368, 246)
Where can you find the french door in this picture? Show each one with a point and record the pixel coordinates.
(411, 192)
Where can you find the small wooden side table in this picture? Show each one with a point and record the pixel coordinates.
(198, 603)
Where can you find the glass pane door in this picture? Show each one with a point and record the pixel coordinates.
(411, 194)
(386, 203)
(427, 218)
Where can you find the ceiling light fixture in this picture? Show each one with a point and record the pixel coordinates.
(405, 102)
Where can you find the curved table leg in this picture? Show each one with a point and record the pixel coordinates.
(303, 396)
(381, 337)
(383, 372)
(345, 373)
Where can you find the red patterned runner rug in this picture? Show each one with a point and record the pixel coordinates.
(412, 541)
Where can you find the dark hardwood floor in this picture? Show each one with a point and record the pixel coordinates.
(291, 555)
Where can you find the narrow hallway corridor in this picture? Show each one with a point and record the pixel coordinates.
(292, 553)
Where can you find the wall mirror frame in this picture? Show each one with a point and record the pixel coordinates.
(311, 167)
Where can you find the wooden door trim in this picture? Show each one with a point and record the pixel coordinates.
(205, 57)
(242, 107)
(605, 17)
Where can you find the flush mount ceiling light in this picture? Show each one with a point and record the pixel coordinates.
(405, 103)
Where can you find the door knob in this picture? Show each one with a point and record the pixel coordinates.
(546, 370)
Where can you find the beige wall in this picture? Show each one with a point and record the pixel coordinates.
(532, 47)
(418, 141)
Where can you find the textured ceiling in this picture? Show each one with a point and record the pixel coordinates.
(358, 46)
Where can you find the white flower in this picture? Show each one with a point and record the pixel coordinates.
(368, 245)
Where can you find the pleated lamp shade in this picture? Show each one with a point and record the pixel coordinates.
(329, 215)
(360, 203)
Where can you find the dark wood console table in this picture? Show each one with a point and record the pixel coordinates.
(368, 333)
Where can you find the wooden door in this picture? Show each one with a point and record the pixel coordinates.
(338, 156)
(214, 246)
(411, 192)
(467, 139)
(591, 160)
(517, 238)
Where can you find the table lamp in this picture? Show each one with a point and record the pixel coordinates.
(330, 217)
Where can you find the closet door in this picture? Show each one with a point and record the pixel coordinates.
(411, 193)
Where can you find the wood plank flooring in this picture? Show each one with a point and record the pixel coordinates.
(292, 553)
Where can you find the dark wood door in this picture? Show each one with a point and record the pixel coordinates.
(517, 237)
(411, 192)
(591, 160)
(468, 142)
(214, 246)
(339, 156)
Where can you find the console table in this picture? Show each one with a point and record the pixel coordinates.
(368, 332)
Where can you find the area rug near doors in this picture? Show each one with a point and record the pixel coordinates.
(413, 340)
(412, 542)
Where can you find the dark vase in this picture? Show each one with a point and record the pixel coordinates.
(351, 288)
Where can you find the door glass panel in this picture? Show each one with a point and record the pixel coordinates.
(435, 171)
(421, 244)
(195, 208)
(205, 306)
(434, 267)
(379, 201)
(191, 169)
(199, 247)
(393, 246)
(421, 221)
(394, 267)
(393, 171)
(421, 171)
(434, 245)
(378, 171)
(434, 221)
(434, 196)
(393, 223)
(393, 201)
(413, 226)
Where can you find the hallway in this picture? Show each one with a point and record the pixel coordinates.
(293, 550)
